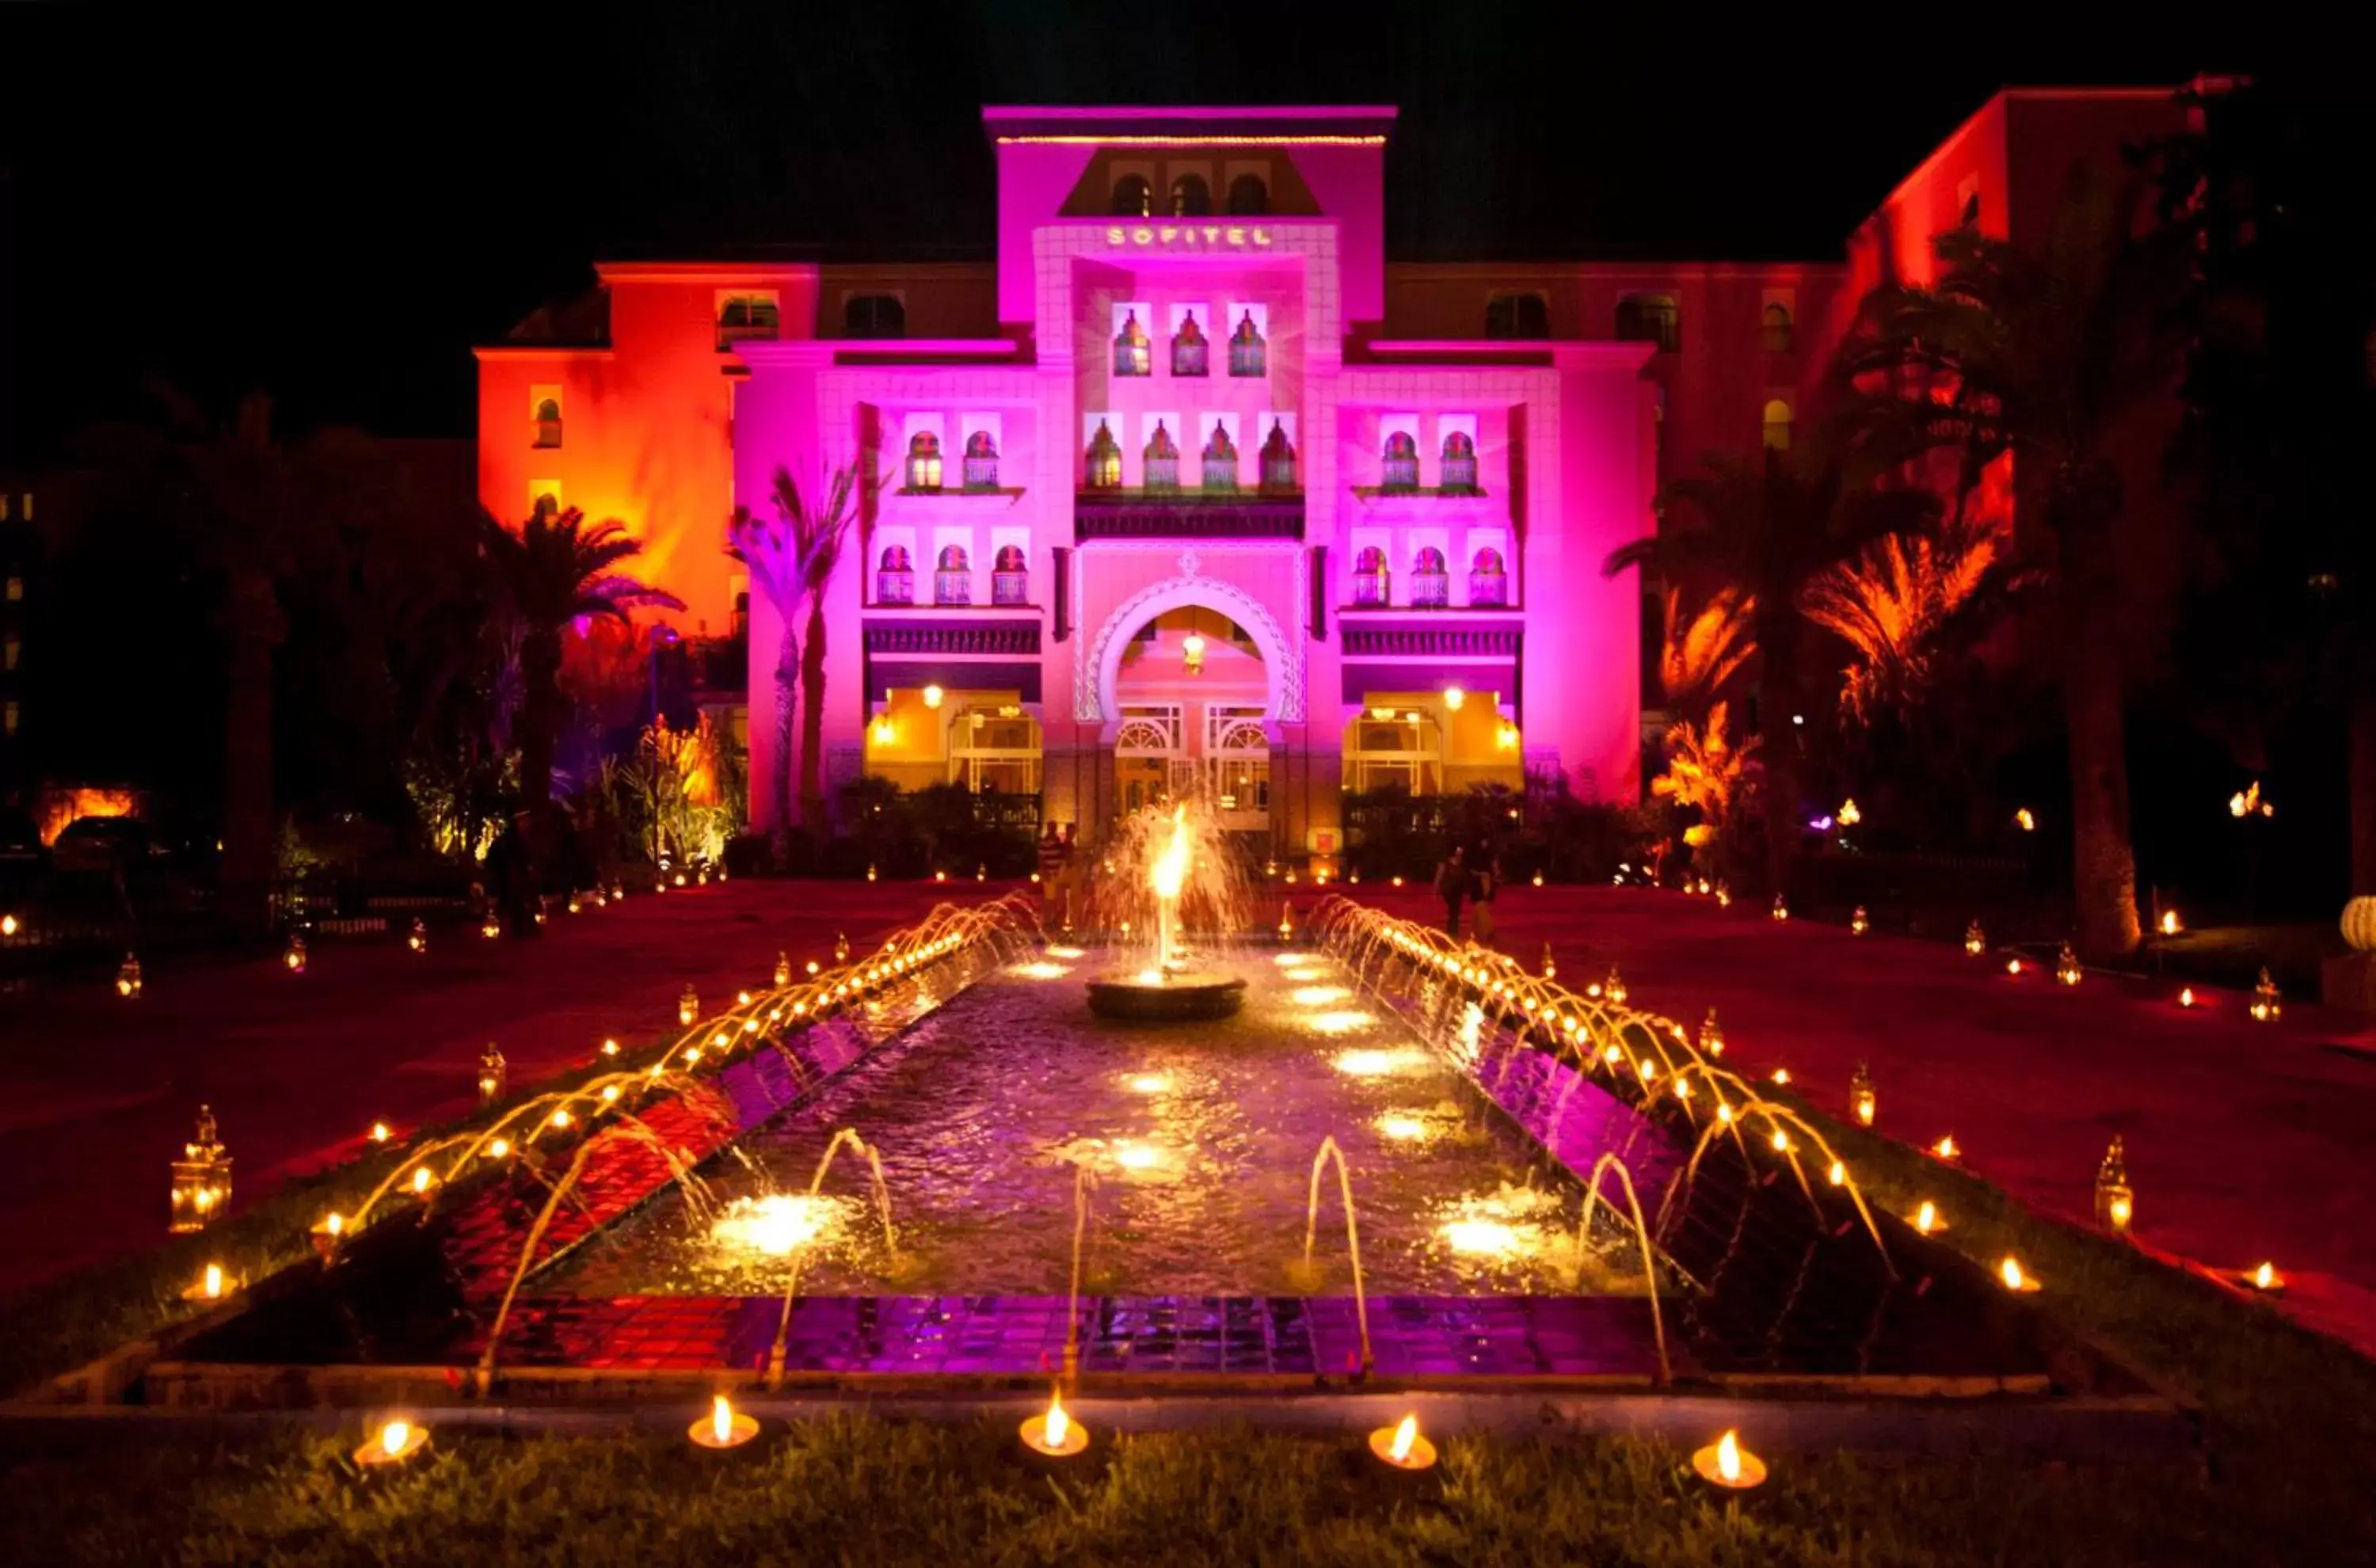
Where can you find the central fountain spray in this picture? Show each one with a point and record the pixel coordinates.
(1166, 990)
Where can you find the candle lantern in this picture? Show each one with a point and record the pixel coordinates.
(491, 925)
(1710, 1036)
(2066, 966)
(688, 1006)
(982, 870)
(491, 1074)
(2267, 1001)
(1286, 920)
(1612, 990)
(1723, 895)
(417, 939)
(294, 955)
(1862, 1098)
(870, 870)
(201, 1178)
(783, 970)
(127, 977)
(571, 906)
(841, 948)
(618, 891)
(1551, 965)
(1860, 922)
(1975, 941)
(2115, 1199)
(1538, 879)
(1781, 908)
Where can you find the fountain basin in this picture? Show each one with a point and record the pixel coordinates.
(1179, 999)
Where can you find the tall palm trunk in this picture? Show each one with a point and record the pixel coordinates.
(2103, 861)
(253, 624)
(813, 720)
(1778, 702)
(780, 783)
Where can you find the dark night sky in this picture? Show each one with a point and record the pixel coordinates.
(335, 209)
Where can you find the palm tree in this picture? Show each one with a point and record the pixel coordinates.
(2051, 354)
(1707, 772)
(1901, 604)
(1767, 527)
(552, 571)
(792, 558)
(1705, 650)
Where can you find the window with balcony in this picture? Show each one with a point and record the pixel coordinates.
(953, 576)
(1278, 462)
(1134, 352)
(1189, 348)
(1371, 580)
(1517, 315)
(1398, 462)
(874, 315)
(1161, 457)
(1010, 576)
(1191, 196)
(1649, 318)
(1249, 351)
(1133, 197)
(981, 461)
(1431, 584)
(894, 577)
(1778, 425)
(547, 421)
(1777, 328)
(1103, 470)
(1249, 197)
(742, 317)
(1459, 464)
(1220, 460)
(925, 462)
(1488, 584)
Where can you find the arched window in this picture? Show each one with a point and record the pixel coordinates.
(1488, 583)
(1371, 578)
(924, 461)
(548, 422)
(1278, 462)
(894, 577)
(1191, 196)
(953, 576)
(1778, 328)
(1431, 584)
(1249, 351)
(1133, 197)
(1104, 471)
(981, 461)
(1517, 315)
(1398, 468)
(1649, 319)
(1162, 460)
(1010, 578)
(1189, 347)
(743, 316)
(1249, 197)
(1132, 352)
(1778, 425)
(874, 315)
(1220, 460)
(1459, 465)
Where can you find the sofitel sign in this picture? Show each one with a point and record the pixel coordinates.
(1220, 236)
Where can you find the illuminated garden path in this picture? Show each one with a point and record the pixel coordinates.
(96, 1094)
(2245, 1141)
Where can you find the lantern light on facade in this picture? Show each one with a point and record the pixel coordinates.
(934, 697)
(1453, 698)
(1192, 653)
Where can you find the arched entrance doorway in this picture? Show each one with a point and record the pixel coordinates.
(1191, 694)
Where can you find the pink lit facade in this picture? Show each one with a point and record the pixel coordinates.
(1191, 487)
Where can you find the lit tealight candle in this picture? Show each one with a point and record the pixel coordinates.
(209, 1287)
(395, 1442)
(2013, 966)
(1782, 1076)
(1727, 1463)
(2186, 996)
(1928, 1220)
(2015, 1277)
(724, 1427)
(1402, 1446)
(1947, 1148)
(2265, 1277)
(379, 1133)
(1053, 1432)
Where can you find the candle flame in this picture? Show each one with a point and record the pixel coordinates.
(2010, 1271)
(394, 1437)
(2265, 1277)
(1945, 1147)
(2170, 926)
(1727, 1456)
(214, 1280)
(721, 1419)
(1060, 1425)
(1405, 1435)
(336, 1224)
(1926, 1219)
(2186, 996)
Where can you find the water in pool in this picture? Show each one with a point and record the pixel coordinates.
(1200, 1138)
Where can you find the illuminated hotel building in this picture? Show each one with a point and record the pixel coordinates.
(1191, 486)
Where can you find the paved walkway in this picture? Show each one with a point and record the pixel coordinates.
(2245, 1141)
(98, 1094)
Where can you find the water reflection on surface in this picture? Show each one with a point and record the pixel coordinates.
(1200, 1136)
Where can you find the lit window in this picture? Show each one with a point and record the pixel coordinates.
(1778, 328)
(894, 577)
(1104, 471)
(1191, 196)
(1517, 315)
(1249, 351)
(1189, 347)
(1778, 425)
(545, 413)
(981, 461)
(1220, 460)
(874, 315)
(924, 461)
(1459, 464)
(953, 576)
(1249, 197)
(8, 719)
(1278, 462)
(1489, 582)
(1133, 197)
(1649, 318)
(1371, 578)
(1398, 464)
(1010, 578)
(1431, 584)
(1162, 460)
(1134, 352)
(10, 650)
(15, 590)
(746, 315)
